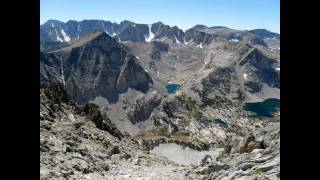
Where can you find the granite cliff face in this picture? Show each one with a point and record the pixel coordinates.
(95, 65)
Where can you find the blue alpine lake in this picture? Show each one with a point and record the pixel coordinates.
(172, 88)
(264, 108)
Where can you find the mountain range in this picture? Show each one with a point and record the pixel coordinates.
(58, 31)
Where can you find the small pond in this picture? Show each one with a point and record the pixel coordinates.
(264, 108)
(172, 88)
(183, 155)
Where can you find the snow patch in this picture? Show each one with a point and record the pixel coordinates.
(277, 69)
(245, 76)
(65, 36)
(146, 70)
(200, 45)
(233, 40)
(118, 37)
(137, 57)
(151, 35)
(78, 31)
(177, 41)
(58, 37)
(107, 32)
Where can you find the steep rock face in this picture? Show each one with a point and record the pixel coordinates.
(95, 65)
(259, 69)
(161, 30)
(198, 36)
(134, 32)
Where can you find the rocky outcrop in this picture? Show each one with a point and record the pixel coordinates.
(161, 30)
(198, 36)
(142, 109)
(256, 164)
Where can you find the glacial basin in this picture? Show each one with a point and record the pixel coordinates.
(183, 155)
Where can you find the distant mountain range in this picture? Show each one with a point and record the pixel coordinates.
(57, 31)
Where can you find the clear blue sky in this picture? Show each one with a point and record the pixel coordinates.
(237, 14)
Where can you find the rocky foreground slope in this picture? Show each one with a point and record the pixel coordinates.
(80, 142)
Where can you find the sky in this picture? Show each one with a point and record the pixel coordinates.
(236, 14)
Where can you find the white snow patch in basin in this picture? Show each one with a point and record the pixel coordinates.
(277, 69)
(183, 155)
